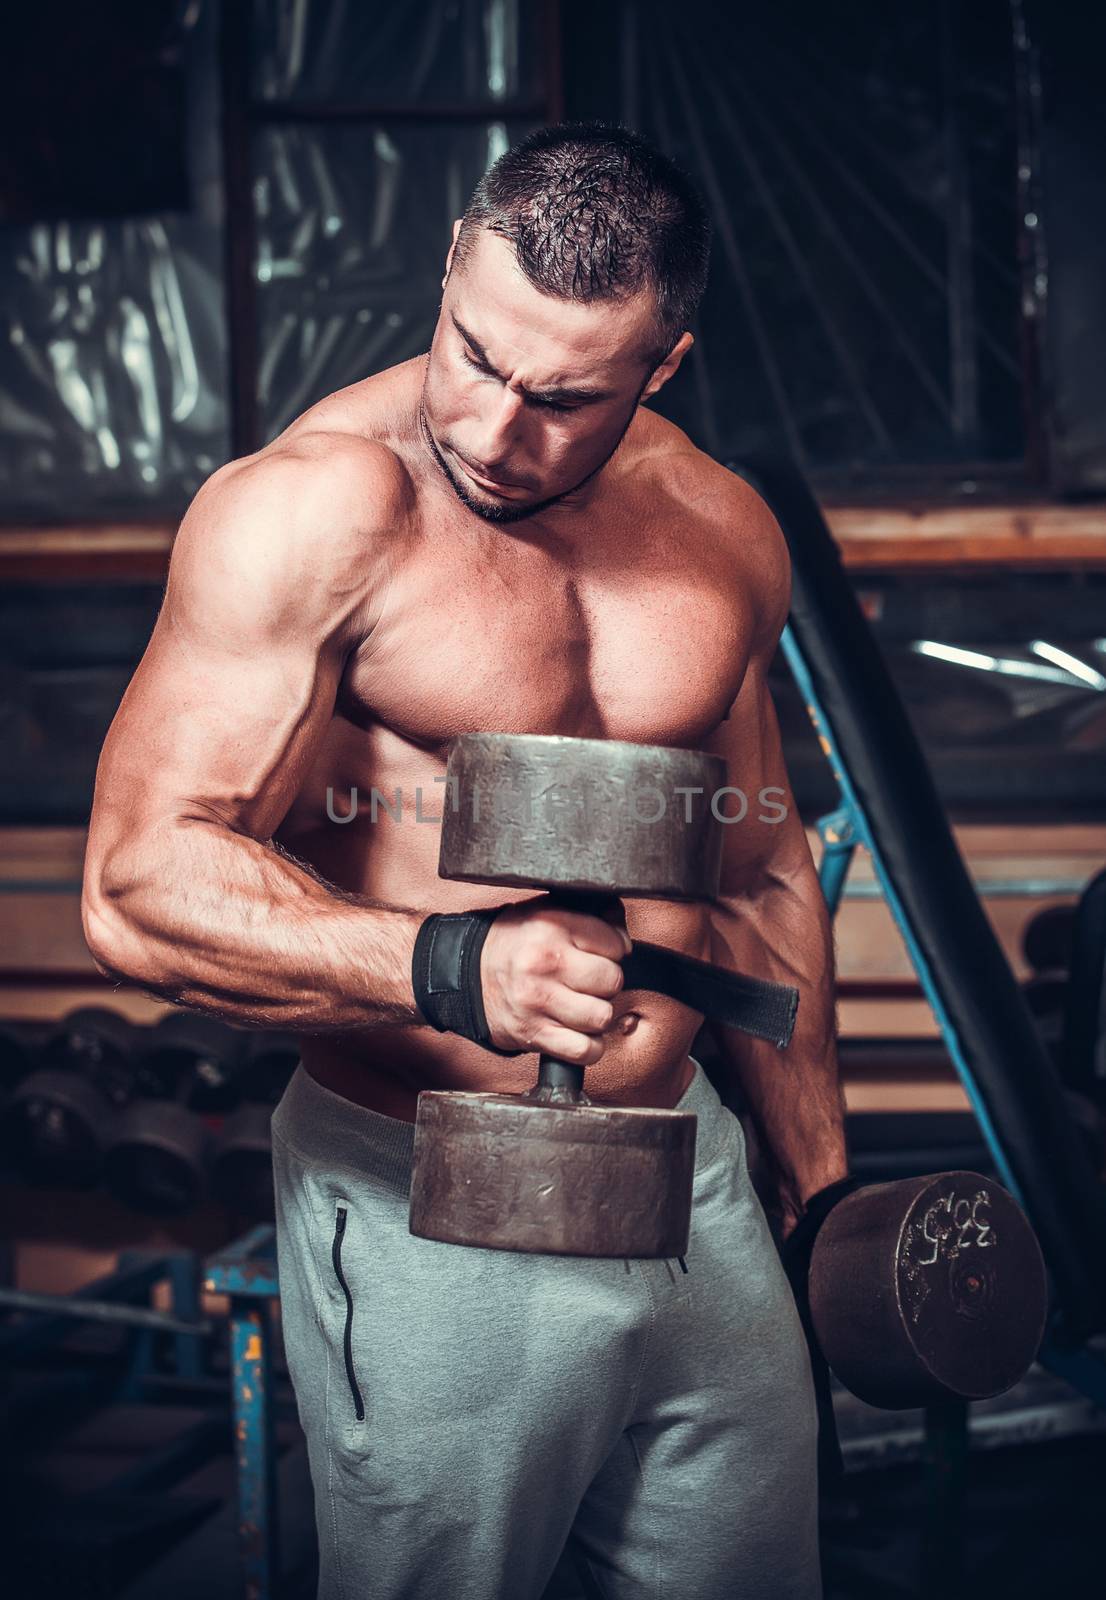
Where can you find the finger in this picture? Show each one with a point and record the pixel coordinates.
(582, 1012)
(589, 974)
(600, 938)
(566, 1045)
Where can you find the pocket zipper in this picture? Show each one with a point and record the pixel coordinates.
(336, 1253)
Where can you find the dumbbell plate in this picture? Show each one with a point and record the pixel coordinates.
(539, 810)
(242, 1166)
(505, 1173)
(55, 1128)
(928, 1289)
(157, 1163)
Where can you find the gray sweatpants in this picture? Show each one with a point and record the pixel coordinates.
(467, 1410)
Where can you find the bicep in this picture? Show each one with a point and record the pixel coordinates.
(237, 685)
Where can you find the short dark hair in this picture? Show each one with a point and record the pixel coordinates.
(596, 212)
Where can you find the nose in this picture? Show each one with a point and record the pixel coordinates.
(499, 430)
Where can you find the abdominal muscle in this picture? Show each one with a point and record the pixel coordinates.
(644, 1062)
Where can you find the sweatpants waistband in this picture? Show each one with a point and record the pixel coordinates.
(325, 1128)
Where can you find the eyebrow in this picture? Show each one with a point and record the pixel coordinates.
(557, 392)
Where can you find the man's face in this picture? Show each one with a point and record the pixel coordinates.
(527, 396)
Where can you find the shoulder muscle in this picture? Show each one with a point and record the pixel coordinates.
(290, 540)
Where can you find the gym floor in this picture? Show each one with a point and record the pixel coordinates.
(1031, 1521)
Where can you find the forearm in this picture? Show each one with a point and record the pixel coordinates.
(783, 932)
(207, 917)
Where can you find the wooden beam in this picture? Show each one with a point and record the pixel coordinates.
(1023, 536)
(108, 552)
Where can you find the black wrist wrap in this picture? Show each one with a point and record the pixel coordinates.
(445, 975)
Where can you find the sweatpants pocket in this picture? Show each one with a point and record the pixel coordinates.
(347, 1337)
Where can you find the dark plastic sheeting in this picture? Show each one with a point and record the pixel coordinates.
(112, 383)
(417, 52)
(112, 393)
(354, 224)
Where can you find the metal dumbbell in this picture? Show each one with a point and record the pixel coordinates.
(158, 1158)
(61, 1117)
(929, 1288)
(242, 1164)
(548, 1170)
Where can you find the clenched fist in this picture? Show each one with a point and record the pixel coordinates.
(548, 977)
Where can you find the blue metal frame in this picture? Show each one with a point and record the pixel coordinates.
(840, 832)
(120, 1300)
(246, 1272)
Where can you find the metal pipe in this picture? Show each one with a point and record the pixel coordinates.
(101, 1311)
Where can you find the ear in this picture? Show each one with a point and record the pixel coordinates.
(668, 366)
(452, 248)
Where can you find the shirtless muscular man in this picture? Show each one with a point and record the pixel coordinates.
(494, 536)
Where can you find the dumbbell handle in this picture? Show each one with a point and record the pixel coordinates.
(559, 1083)
(766, 1010)
(562, 1082)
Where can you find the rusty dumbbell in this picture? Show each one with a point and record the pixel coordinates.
(547, 1170)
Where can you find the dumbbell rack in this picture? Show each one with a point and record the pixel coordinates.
(45, 1400)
